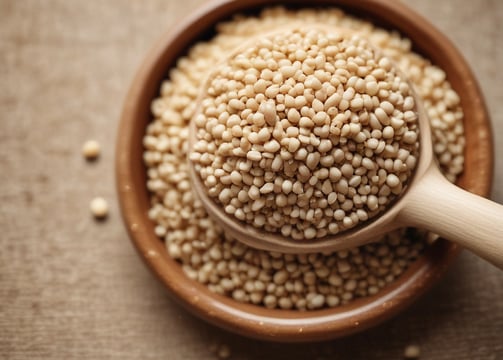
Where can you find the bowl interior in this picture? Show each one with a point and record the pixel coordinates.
(291, 325)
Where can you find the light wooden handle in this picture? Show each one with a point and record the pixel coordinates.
(457, 215)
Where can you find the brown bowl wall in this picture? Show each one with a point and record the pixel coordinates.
(291, 325)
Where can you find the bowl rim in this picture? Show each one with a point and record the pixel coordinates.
(256, 321)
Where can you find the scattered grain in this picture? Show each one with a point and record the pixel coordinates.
(91, 149)
(412, 352)
(99, 208)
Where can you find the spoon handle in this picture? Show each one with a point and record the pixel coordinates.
(469, 220)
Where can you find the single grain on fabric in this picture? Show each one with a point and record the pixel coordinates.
(91, 149)
(99, 207)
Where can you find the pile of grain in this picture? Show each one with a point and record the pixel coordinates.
(307, 132)
(270, 279)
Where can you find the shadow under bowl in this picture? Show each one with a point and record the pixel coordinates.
(291, 325)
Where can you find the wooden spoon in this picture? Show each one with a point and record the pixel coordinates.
(429, 202)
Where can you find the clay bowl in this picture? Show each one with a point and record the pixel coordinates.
(291, 325)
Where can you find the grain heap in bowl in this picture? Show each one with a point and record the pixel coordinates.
(273, 280)
(306, 132)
